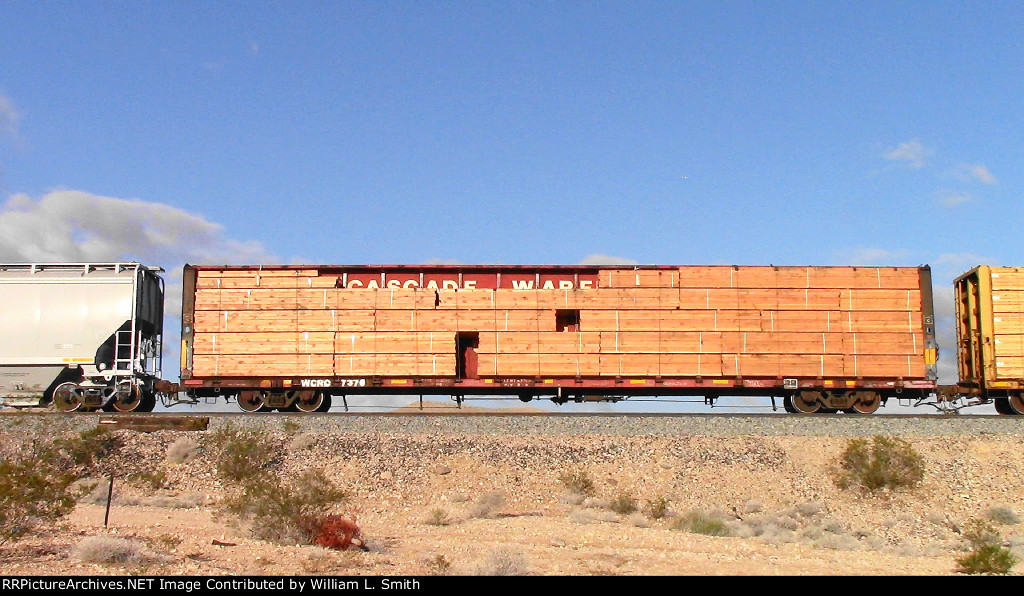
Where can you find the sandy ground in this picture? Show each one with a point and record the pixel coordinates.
(491, 504)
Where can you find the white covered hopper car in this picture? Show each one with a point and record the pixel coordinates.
(81, 336)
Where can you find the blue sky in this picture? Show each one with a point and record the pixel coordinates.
(789, 133)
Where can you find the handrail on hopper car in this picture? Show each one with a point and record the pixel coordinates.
(86, 267)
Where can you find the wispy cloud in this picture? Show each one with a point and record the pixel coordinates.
(953, 198)
(911, 154)
(9, 118)
(872, 256)
(961, 261)
(975, 173)
(602, 259)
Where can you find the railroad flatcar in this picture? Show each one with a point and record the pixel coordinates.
(823, 339)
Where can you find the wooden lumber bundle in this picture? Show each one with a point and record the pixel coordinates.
(1008, 321)
(708, 321)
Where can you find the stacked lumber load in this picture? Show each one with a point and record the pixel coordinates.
(1008, 321)
(295, 322)
(725, 322)
(698, 321)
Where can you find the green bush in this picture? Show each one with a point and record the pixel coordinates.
(90, 446)
(241, 453)
(290, 511)
(35, 489)
(987, 555)
(701, 522)
(887, 462)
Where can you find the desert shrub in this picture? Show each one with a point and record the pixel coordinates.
(89, 446)
(241, 453)
(101, 491)
(987, 555)
(437, 517)
(503, 562)
(589, 516)
(887, 462)
(579, 482)
(486, 504)
(107, 549)
(183, 450)
(808, 508)
(189, 500)
(701, 522)
(167, 541)
(753, 506)
(623, 504)
(295, 510)
(438, 565)
(154, 479)
(656, 508)
(638, 520)
(833, 541)
(1002, 514)
(36, 487)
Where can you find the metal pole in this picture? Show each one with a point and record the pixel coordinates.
(110, 494)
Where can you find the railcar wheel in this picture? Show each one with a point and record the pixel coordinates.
(310, 401)
(787, 404)
(867, 402)
(252, 401)
(66, 399)
(806, 402)
(1016, 403)
(127, 399)
(147, 401)
(1003, 406)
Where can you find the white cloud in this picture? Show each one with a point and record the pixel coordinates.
(76, 226)
(911, 154)
(70, 225)
(975, 173)
(602, 259)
